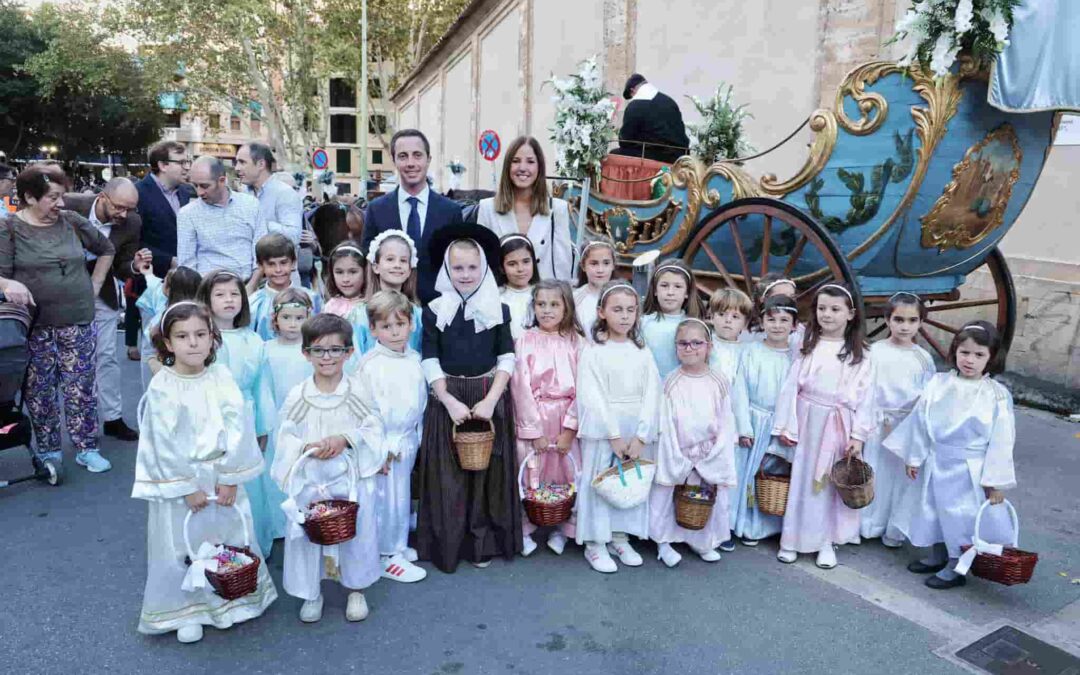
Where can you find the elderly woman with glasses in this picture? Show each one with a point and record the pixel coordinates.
(43, 263)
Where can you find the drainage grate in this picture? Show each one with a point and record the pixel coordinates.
(1014, 652)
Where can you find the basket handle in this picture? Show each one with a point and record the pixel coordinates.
(616, 462)
(525, 461)
(453, 430)
(979, 545)
(350, 473)
(187, 521)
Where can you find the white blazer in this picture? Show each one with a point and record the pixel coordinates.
(550, 236)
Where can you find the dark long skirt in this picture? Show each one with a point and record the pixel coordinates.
(470, 515)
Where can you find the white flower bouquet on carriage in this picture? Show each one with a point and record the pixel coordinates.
(583, 120)
(941, 29)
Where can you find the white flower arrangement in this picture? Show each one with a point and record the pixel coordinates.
(583, 121)
(719, 134)
(941, 29)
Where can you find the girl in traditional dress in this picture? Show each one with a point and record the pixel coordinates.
(468, 357)
(345, 282)
(391, 266)
(191, 446)
(242, 353)
(323, 415)
(697, 439)
(957, 444)
(594, 270)
(519, 275)
(618, 412)
(394, 392)
(729, 313)
(544, 389)
(762, 371)
(825, 412)
(179, 284)
(901, 372)
(672, 297)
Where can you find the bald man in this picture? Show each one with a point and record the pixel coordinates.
(113, 213)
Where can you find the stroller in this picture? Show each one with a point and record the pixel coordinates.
(15, 429)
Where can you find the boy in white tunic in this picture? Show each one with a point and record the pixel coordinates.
(393, 390)
(320, 456)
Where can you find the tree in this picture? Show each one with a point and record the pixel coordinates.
(19, 101)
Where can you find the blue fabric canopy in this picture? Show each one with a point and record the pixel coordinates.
(1040, 69)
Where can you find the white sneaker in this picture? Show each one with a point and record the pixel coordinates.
(527, 546)
(557, 542)
(599, 559)
(787, 556)
(826, 558)
(708, 554)
(356, 608)
(627, 555)
(749, 542)
(190, 633)
(397, 568)
(482, 565)
(668, 554)
(889, 542)
(410, 554)
(311, 610)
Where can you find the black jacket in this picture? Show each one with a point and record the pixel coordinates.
(658, 120)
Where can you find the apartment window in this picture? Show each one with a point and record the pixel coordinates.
(256, 126)
(215, 121)
(342, 93)
(343, 128)
(172, 120)
(344, 160)
(377, 124)
(234, 123)
(374, 88)
(376, 157)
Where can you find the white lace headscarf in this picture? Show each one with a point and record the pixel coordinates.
(483, 305)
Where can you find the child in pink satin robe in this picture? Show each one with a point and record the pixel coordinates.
(825, 411)
(545, 400)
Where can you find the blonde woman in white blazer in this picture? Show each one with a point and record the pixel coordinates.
(523, 205)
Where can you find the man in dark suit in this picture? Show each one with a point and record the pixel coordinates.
(413, 206)
(162, 193)
(652, 125)
(113, 213)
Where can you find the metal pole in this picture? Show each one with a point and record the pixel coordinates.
(364, 130)
(583, 212)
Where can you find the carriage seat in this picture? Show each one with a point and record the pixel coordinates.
(639, 170)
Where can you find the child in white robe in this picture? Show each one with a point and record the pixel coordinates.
(595, 269)
(618, 411)
(901, 372)
(957, 444)
(394, 392)
(672, 297)
(697, 439)
(825, 412)
(190, 447)
(762, 371)
(320, 456)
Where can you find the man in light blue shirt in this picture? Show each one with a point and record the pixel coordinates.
(280, 207)
(218, 231)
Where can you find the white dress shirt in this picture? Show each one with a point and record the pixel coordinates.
(219, 237)
(404, 207)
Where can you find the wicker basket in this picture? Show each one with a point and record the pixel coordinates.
(235, 583)
(546, 514)
(854, 480)
(626, 484)
(692, 513)
(1013, 566)
(771, 493)
(334, 528)
(474, 447)
(329, 528)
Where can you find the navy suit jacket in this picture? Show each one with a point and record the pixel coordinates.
(159, 221)
(382, 214)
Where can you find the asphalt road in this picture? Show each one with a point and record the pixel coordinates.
(72, 568)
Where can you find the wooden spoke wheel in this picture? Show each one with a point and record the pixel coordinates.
(743, 240)
(992, 300)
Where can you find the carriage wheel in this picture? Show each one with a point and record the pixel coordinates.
(766, 235)
(948, 313)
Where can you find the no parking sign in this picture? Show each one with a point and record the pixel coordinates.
(490, 145)
(319, 159)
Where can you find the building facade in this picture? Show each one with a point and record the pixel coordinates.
(785, 58)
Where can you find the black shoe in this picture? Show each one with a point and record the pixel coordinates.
(940, 584)
(728, 546)
(117, 429)
(919, 567)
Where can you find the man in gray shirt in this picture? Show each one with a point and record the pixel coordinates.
(218, 230)
(280, 207)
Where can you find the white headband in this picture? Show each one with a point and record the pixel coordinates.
(668, 268)
(894, 295)
(976, 327)
(596, 242)
(512, 237)
(840, 288)
(615, 288)
(380, 238)
(770, 286)
(785, 308)
(708, 328)
(340, 247)
(161, 323)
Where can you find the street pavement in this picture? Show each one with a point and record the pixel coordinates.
(73, 564)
